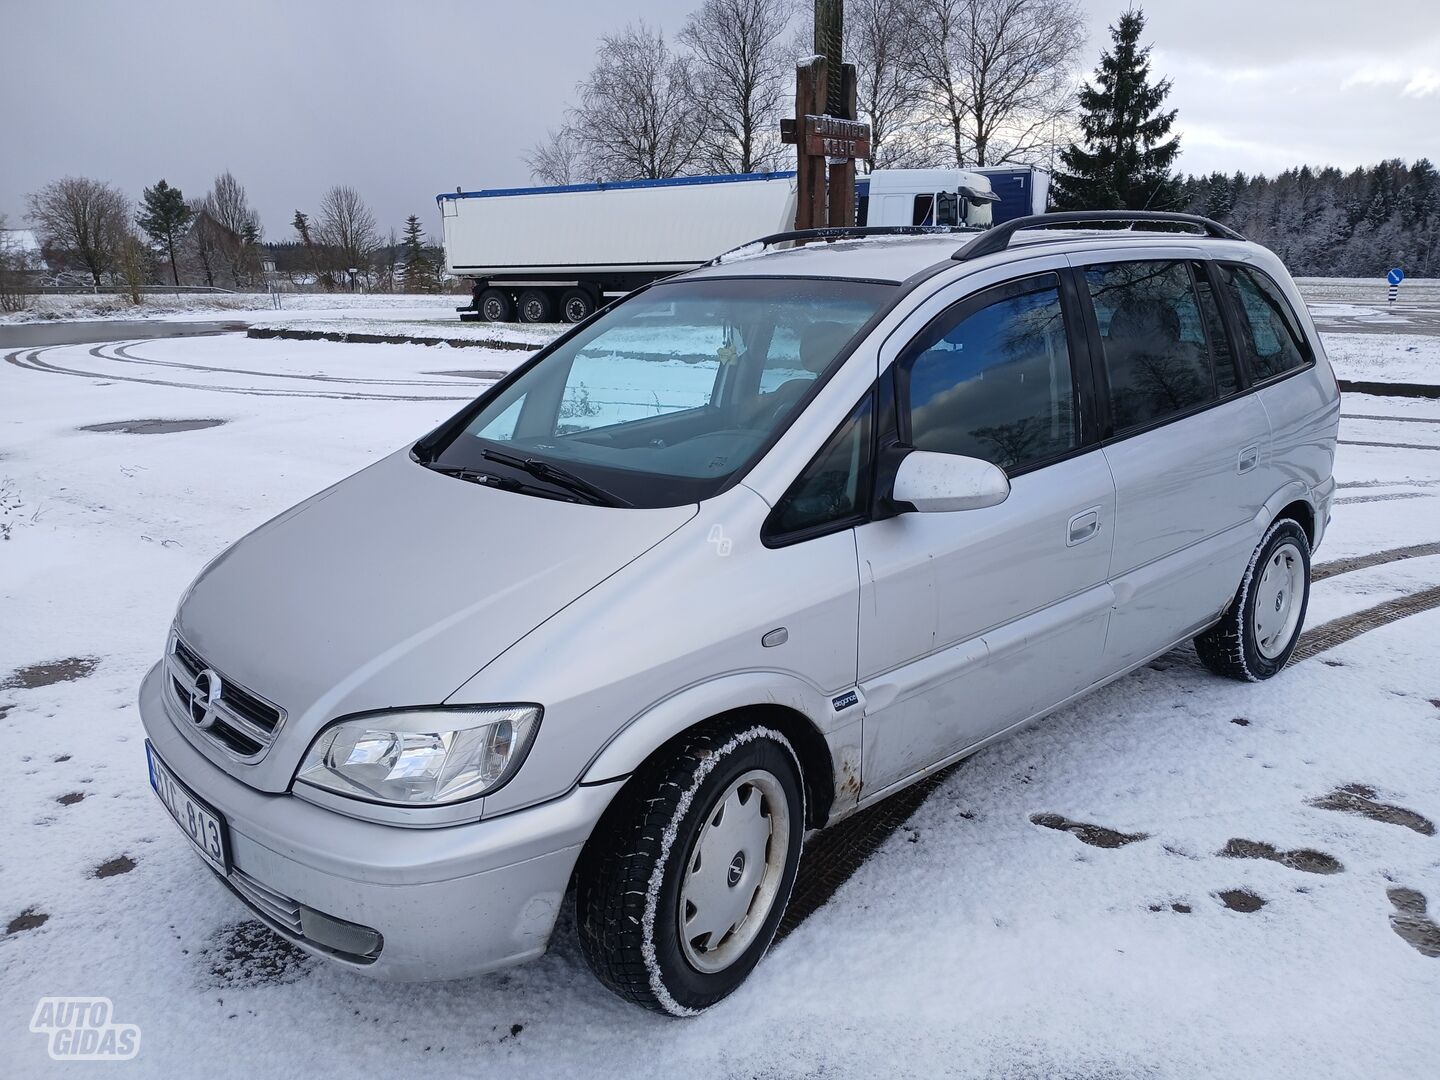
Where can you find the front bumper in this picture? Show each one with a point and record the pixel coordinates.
(447, 902)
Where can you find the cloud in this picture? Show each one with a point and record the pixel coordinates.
(1416, 82)
(1425, 81)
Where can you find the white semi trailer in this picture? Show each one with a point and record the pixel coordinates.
(545, 253)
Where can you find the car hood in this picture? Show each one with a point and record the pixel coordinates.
(392, 588)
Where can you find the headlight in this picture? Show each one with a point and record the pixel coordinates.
(423, 757)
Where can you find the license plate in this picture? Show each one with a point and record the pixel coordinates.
(204, 827)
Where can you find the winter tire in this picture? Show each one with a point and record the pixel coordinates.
(1258, 632)
(679, 894)
(576, 305)
(495, 306)
(535, 306)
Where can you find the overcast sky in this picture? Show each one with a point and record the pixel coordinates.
(412, 97)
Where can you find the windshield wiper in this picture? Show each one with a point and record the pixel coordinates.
(484, 479)
(563, 478)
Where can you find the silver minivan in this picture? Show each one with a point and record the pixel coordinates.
(751, 549)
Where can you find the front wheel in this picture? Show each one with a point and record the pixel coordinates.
(1261, 627)
(681, 889)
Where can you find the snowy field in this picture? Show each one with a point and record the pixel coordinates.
(240, 307)
(1113, 938)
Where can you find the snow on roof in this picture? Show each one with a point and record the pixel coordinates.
(19, 240)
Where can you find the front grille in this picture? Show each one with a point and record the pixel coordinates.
(326, 933)
(226, 713)
(278, 908)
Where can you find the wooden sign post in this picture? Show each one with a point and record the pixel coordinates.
(826, 134)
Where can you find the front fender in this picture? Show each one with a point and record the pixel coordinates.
(661, 722)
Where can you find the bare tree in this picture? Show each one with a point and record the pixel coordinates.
(638, 117)
(347, 229)
(205, 243)
(997, 75)
(228, 204)
(742, 78)
(935, 52)
(322, 274)
(134, 260)
(82, 218)
(877, 40)
(389, 261)
(14, 262)
(1020, 61)
(560, 159)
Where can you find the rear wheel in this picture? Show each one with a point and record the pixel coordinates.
(535, 306)
(681, 889)
(577, 305)
(1260, 629)
(495, 306)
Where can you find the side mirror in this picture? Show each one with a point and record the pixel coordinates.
(937, 483)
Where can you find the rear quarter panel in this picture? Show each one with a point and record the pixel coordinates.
(1304, 410)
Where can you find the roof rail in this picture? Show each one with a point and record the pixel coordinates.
(843, 232)
(998, 237)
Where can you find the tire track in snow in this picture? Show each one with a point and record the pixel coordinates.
(1377, 558)
(123, 355)
(1339, 631)
(1390, 445)
(1397, 419)
(30, 360)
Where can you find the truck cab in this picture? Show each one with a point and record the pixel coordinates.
(924, 197)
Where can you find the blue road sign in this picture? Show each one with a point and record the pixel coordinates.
(1395, 276)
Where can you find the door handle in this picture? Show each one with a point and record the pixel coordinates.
(1083, 526)
(1248, 459)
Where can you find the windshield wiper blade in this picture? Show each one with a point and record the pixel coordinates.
(484, 479)
(564, 478)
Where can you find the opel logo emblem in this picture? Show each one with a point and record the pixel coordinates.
(204, 696)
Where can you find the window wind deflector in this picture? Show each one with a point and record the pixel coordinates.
(554, 474)
(975, 195)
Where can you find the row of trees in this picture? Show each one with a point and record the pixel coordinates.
(1325, 222)
(89, 227)
(942, 82)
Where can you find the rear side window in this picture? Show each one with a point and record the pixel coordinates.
(1156, 335)
(1270, 337)
(993, 382)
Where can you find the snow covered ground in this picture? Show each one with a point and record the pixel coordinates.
(1413, 358)
(422, 327)
(240, 307)
(979, 941)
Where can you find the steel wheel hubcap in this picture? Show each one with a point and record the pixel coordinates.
(1279, 592)
(733, 873)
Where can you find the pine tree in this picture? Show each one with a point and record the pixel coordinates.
(1124, 164)
(301, 223)
(417, 272)
(164, 213)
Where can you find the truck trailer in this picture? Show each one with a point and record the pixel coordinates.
(545, 254)
(539, 254)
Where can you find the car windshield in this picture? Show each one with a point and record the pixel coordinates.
(662, 400)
